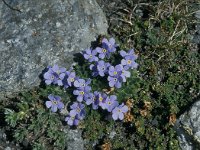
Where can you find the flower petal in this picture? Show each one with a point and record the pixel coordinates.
(48, 82)
(48, 104)
(115, 116)
(76, 121)
(70, 122)
(60, 105)
(76, 84)
(54, 108)
(121, 116)
(51, 97)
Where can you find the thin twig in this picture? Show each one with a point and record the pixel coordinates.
(174, 31)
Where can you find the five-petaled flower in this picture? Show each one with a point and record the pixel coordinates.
(82, 93)
(110, 103)
(53, 75)
(81, 83)
(115, 81)
(90, 55)
(129, 62)
(100, 99)
(129, 58)
(92, 98)
(54, 103)
(119, 111)
(100, 68)
(68, 79)
(78, 109)
(72, 119)
(109, 45)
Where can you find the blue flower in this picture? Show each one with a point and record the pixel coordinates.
(115, 77)
(82, 93)
(72, 119)
(100, 99)
(115, 81)
(53, 75)
(90, 55)
(89, 98)
(100, 68)
(129, 62)
(81, 83)
(103, 52)
(125, 74)
(54, 103)
(129, 58)
(119, 111)
(110, 103)
(115, 71)
(68, 78)
(109, 45)
(78, 109)
(92, 98)
(129, 53)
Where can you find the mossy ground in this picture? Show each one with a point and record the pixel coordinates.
(164, 86)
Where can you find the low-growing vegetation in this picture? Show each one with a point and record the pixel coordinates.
(164, 85)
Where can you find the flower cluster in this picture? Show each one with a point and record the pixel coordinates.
(76, 113)
(98, 60)
(116, 75)
(62, 77)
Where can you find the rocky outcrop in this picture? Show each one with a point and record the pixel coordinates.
(35, 34)
(188, 128)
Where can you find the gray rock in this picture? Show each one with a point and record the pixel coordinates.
(197, 14)
(75, 141)
(196, 37)
(35, 34)
(188, 128)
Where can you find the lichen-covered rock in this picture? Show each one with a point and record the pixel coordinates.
(188, 128)
(35, 34)
(75, 141)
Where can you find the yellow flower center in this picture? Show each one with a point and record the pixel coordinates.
(55, 102)
(115, 72)
(78, 109)
(72, 79)
(129, 62)
(109, 103)
(100, 98)
(90, 56)
(81, 92)
(104, 50)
